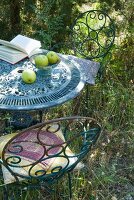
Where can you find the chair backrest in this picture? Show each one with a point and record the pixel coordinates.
(93, 34)
(48, 150)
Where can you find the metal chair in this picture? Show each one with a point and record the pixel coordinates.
(92, 36)
(42, 154)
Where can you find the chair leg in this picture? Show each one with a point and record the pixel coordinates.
(70, 185)
(5, 193)
(40, 115)
(87, 100)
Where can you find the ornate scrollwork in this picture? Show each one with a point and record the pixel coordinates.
(92, 34)
(42, 151)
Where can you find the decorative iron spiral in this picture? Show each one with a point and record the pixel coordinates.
(93, 34)
(31, 153)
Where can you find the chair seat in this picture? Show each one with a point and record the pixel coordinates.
(47, 151)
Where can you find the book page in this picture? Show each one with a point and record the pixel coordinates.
(11, 55)
(8, 44)
(10, 50)
(26, 43)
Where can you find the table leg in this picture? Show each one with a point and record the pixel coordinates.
(24, 119)
(10, 121)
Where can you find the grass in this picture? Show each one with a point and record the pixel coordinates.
(108, 174)
(109, 166)
(109, 169)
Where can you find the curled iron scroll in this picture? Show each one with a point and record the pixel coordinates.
(93, 34)
(38, 162)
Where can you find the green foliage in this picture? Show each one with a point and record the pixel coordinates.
(110, 164)
(48, 23)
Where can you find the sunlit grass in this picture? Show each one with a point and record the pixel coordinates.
(109, 166)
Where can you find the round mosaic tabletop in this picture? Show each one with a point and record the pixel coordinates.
(53, 86)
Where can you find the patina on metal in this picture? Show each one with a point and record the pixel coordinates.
(53, 86)
(45, 92)
(93, 34)
(92, 37)
(79, 134)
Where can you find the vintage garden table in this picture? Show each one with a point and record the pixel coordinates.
(53, 86)
(48, 90)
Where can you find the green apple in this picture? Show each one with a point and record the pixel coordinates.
(53, 57)
(41, 61)
(28, 76)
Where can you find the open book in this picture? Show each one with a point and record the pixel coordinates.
(18, 48)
